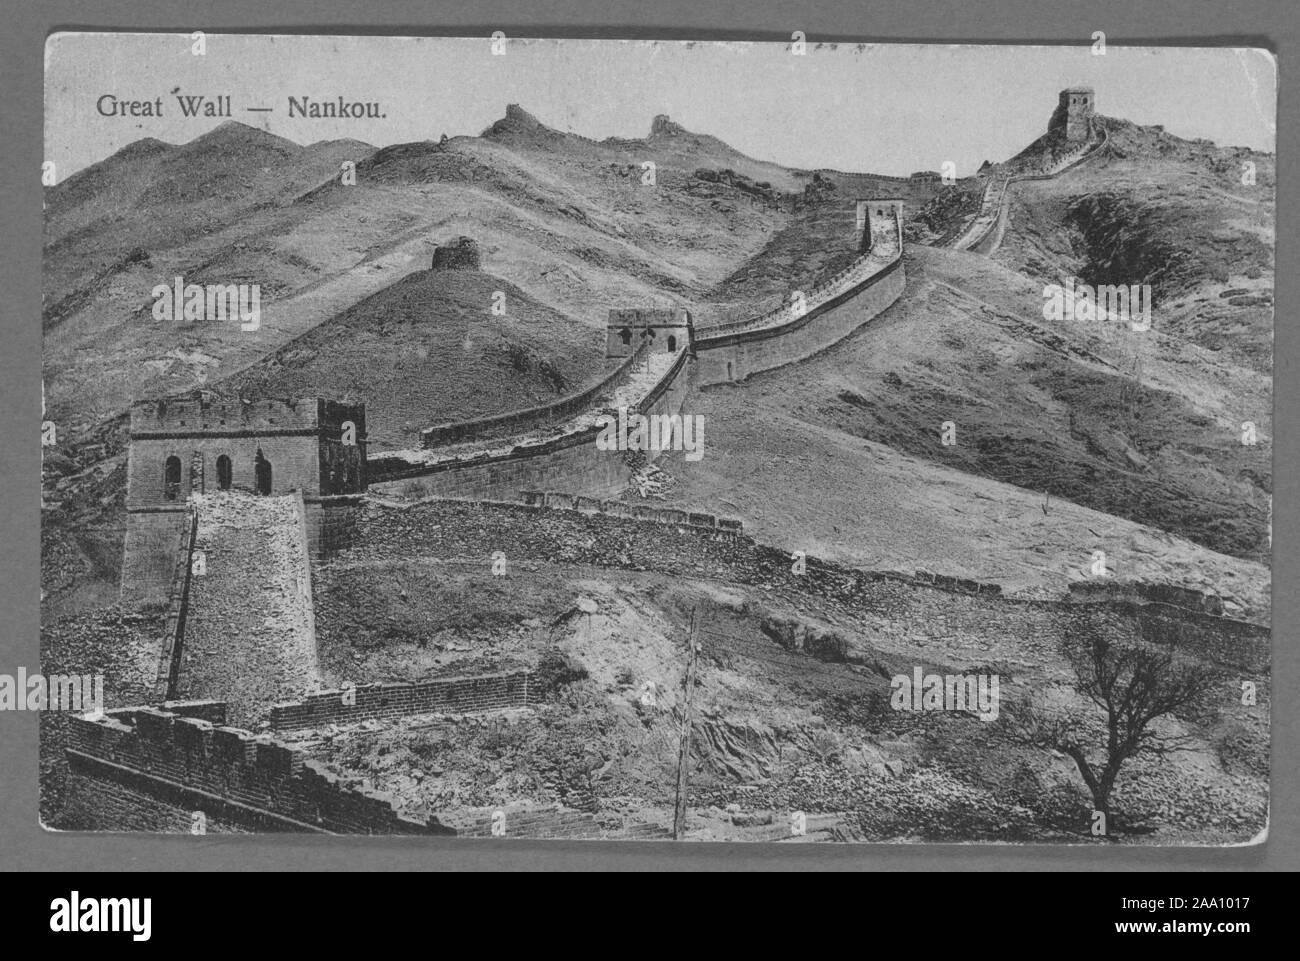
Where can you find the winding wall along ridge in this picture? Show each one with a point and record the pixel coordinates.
(457, 462)
(533, 417)
(993, 204)
(581, 532)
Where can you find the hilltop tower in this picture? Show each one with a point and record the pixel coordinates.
(461, 254)
(667, 330)
(1073, 114)
(183, 446)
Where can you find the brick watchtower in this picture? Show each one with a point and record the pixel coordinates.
(1073, 115)
(664, 329)
(198, 444)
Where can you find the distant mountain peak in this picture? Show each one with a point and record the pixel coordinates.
(236, 128)
(236, 131)
(519, 121)
(141, 148)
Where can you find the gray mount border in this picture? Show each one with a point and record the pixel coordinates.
(24, 845)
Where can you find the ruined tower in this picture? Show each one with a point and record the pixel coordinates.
(1073, 114)
(461, 254)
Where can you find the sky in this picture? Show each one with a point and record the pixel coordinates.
(880, 108)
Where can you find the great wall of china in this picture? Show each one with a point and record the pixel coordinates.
(531, 483)
(984, 233)
(150, 768)
(556, 442)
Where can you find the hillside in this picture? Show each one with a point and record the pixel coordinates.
(1168, 212)
(1144, 427)
(151, 196)
(559, 217)
(1042, 406)
(791, 703)
(428, 350)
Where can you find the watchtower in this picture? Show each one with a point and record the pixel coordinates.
(1073, 114)
(185, 446)
(662, 329)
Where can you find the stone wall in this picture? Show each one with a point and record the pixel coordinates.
(881, 225)
(1110, 591)
(986, 217)
(331, 523)
(728, 353)
(981, 232)
(530, 418)
(169, 660)
(457, 695)
(100, 797)
(667, 397)
(697, 520)
(571, 460)
(841, 173)
(149, 554)
(148, 769)
(912, 608)
(728, 358)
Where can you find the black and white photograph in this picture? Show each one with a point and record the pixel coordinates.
(780, 442)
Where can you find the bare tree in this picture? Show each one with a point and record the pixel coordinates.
(1133, 683)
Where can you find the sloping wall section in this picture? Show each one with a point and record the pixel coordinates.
(471, 460)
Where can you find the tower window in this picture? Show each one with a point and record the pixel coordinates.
(225, 472)
(262, 473)
(172, 478)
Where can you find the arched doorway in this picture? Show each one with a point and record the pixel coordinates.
(262, 473)
(225, 472)
(172, 478)
(672, 344)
